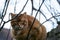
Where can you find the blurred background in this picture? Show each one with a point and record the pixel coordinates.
(47, 11)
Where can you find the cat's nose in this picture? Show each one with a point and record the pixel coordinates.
(21, 26)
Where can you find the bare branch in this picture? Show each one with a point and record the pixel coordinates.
(15, 7)
(41, 13)
(50, 18)
(50, 10)
(3, 12)
(6, 4)
(27, 38)
(32, 7)
(4, 7)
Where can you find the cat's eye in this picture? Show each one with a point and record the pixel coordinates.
(23, 22)
(16, 27)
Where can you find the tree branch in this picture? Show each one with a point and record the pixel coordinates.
(27, 38)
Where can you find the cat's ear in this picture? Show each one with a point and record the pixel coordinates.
(13, 15)
(24, 13)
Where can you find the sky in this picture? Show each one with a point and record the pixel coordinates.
(19, 6)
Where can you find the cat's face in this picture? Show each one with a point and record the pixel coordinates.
(19, 23)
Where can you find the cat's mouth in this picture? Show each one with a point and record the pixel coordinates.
(18, 32)
(18, 29)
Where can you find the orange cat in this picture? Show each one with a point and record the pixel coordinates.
(21, 25)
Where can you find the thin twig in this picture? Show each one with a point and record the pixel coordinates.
(50, 10)
(15, 6)
(41, 13)
(4, 14)
(48, 20)
(4, 7)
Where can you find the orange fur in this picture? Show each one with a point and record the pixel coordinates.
(21, 26)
